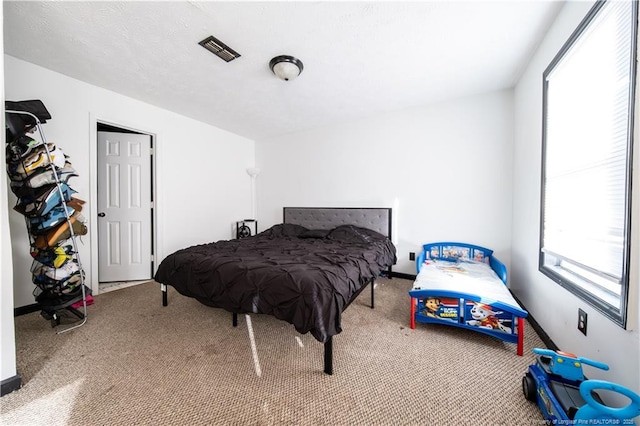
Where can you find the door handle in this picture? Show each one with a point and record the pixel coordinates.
(101, 214)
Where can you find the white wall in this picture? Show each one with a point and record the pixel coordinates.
(201, 179)
(7, 334)
(554, 308)
(445, 169)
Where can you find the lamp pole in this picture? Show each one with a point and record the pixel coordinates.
(253, 172)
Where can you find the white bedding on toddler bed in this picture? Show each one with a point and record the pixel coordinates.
(463, 276)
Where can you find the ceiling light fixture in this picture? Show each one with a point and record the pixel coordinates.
(286, 67)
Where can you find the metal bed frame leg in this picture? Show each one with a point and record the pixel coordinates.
(328, 345)
(163, 287)
(328, 356)
(373, 283)
(235, 319)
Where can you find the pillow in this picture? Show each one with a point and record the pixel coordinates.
(354, 234)
(284, 230)
(314, 233)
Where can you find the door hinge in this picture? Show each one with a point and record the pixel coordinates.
(152, 258)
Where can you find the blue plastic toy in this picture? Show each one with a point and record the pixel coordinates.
(557, 384)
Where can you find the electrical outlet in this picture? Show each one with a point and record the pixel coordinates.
(582, 321)
(412, 256)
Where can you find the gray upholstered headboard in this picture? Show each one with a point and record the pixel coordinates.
(375, 218)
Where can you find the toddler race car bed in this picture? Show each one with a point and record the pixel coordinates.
(305, 271)
(464, 285)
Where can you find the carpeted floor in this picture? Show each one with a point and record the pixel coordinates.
(137, 363)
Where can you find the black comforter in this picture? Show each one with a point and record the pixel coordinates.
(305, 277)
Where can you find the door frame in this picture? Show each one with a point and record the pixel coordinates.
(92, 217)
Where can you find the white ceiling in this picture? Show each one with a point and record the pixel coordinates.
(360, 58)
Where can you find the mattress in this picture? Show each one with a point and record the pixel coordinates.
(464, 276)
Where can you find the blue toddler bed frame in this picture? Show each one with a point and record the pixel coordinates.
(454, 308)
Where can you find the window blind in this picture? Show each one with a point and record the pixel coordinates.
(587, 145)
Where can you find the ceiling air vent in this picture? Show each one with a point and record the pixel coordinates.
(219, 49)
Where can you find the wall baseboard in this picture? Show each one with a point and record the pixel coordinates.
(23, 310)
(544, 336)
(403, 275)
(536, 327)
(11, 384)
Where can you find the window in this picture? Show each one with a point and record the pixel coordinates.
(588, 98)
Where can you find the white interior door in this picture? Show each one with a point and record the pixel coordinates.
(124, 207)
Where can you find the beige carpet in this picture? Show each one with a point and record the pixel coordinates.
(137, 363)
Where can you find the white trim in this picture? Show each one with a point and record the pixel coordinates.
(633, 295)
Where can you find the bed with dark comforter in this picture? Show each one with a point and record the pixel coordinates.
(304, 276)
